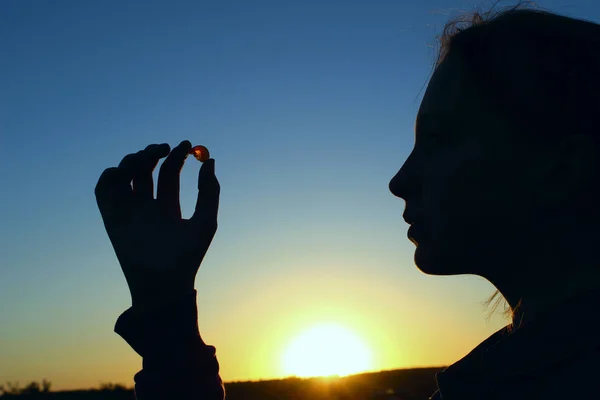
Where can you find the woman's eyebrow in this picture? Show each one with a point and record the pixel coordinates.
(429, 120)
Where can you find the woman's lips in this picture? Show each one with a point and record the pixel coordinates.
(414, 234)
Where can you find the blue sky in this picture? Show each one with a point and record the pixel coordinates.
(308, 108)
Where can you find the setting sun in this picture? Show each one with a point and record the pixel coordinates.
(325, 350)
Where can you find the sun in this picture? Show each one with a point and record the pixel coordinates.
(325, 350)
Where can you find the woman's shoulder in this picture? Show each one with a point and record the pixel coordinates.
(573, 378)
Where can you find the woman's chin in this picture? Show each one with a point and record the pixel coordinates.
(431, 263)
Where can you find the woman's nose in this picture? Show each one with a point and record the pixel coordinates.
(403, 183)
(395, 185)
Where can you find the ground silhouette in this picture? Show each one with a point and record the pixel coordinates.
(402, 384)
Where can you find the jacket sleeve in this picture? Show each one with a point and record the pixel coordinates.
(177, 364)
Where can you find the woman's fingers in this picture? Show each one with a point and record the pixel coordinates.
(143, 185)
(129, 166)
(114, 192)
(207, 205)
(168, 180)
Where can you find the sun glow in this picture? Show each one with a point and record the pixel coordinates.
(325, 350)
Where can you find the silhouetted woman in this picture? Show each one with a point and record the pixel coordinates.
(502, 183)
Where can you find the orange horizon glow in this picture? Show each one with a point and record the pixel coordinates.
(394, 330)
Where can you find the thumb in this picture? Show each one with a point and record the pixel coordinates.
(209, 190)
(207, 172)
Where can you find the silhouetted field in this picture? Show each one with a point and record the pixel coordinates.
(403, 384)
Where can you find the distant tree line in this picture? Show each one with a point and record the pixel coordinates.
(41, 390)
(14, 388)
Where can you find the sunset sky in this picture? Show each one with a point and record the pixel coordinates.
(308, 108)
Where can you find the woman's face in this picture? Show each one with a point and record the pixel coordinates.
(466, 182)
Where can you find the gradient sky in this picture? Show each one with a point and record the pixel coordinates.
(308, 108)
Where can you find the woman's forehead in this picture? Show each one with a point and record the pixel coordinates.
(449, 93)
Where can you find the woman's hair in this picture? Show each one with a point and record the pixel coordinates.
(542, 70)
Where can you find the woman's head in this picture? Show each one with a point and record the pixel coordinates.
(504, 141)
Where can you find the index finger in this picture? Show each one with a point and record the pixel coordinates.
(168, 180)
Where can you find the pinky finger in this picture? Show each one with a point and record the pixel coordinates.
(113, 193)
